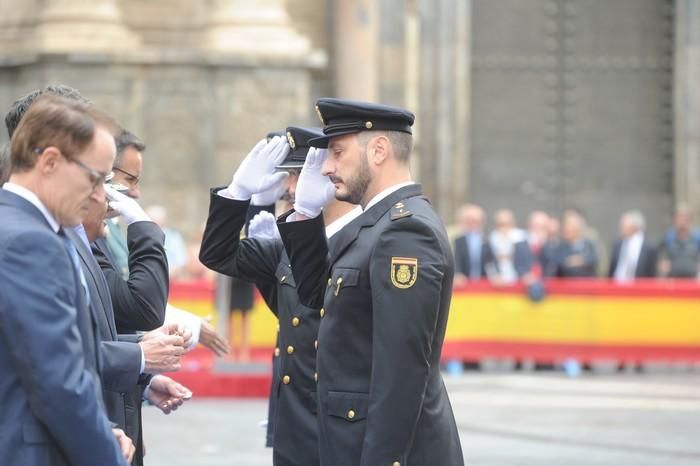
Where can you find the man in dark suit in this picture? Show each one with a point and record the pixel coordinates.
(469, 246)
(575, 255)
(142, 300)
(132, 358)
(295, 440)
(385, 293)
(49, 357)
(633, 255)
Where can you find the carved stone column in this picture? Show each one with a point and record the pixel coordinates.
(253, 28)
(82, 25)
(687, 104)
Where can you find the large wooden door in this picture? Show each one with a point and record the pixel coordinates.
(571, 106)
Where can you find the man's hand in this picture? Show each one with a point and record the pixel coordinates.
(167, 394)
(128, 208)
(162, 349)
(257, 171)
(263, 226)
(576, 260)
(314, 190)
(125, 444)
(210, 339)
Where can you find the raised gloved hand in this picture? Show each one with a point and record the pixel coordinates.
(314, 190)
(127, 207)
(270, 195)
(263, 226)
(257, 171)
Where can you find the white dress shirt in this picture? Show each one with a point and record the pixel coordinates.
(629, 257)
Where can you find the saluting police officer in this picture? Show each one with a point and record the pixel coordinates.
(263, 176)
(385, 290)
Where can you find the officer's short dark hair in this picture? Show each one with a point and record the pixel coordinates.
(19, 107)
(402, 142)
(124, 140)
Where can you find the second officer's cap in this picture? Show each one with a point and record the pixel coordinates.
(298, 139)
(341, 117)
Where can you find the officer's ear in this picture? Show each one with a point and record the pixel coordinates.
(379, 148)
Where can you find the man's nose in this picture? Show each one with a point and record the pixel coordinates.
(328, 167)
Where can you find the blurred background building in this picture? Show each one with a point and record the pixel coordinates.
(520, 103)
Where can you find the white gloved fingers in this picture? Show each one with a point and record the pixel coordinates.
(329, 191)
(255, 167)
(127, 207)
(277, 179)
(310, 161)
(263, 226)
(272, 186)
(112, 194)
(280, 152)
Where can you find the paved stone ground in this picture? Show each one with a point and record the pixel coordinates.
(504, 420)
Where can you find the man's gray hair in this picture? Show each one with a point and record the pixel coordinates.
(636, 218)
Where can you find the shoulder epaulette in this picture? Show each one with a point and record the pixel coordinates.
(400, 211)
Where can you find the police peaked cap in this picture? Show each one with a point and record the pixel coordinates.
(298, 139)
(341, 117)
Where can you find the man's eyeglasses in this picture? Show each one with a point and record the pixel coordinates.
(132, 179)
(96, 178)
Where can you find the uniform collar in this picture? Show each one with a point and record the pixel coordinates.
(386, 192)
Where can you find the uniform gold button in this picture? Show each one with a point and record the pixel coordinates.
(330, 282)
(290, 349)
(316, 344)
(286, 379)
(284, 277)
(351, 414)
(315, 376)
(295, 321)
(322, 312)
(277, 352)
(396, 463)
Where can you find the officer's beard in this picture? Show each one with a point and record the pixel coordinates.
(357, 186)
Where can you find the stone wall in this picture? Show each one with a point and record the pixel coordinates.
(200, 101)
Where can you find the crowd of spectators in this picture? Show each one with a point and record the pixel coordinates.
(570, 248)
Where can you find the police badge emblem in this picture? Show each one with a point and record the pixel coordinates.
(404, 271)
(291, 141)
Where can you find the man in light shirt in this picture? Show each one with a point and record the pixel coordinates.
(633, 255)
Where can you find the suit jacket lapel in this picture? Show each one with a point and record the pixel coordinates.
(349, 233)
(98, 278)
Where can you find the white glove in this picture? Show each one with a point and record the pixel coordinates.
(128, 208)
(271, 195)
(257, 171)
(314, 190)
(263, 226)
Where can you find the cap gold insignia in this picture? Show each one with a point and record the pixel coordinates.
(368, 124)
(320, 115)
(290, 138)
(404, 272)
